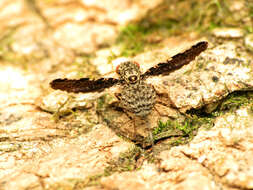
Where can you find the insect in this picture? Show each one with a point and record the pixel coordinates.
(136, 95)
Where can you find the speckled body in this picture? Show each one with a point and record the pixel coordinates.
(136, 96)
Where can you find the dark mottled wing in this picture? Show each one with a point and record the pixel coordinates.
(177, 61)
(83, 84)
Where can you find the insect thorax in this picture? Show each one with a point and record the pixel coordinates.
(138, 98)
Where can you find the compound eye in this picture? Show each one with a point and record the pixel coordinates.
(136, 63)
(132, 78)
(117, 69)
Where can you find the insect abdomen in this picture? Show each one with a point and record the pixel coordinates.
(138, 98)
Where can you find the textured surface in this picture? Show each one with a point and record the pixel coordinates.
(138, 98)
(135, 96)
(70, 143)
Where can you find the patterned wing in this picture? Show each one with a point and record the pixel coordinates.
(177, 61)
(83, 84)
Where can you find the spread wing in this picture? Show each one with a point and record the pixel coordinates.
(83, 84)
(177, 61)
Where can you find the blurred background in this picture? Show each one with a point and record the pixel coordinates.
(41, 40)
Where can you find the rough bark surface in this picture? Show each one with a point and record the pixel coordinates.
(55, 140)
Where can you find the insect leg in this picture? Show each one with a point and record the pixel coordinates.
(118, 96)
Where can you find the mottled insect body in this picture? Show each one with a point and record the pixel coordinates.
(136, 96)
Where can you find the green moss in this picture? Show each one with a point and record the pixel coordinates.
(138, 36)
(134, 38)
(101, 103)
(111, 57)
(186, 127)
(6, 39)
(176, 17)
(251, 108)
(248, 29)
(125, 162)
(162, 126)
(131, 40)
(235, 100)
(250, 6)
(181, 132)
(229, 104)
